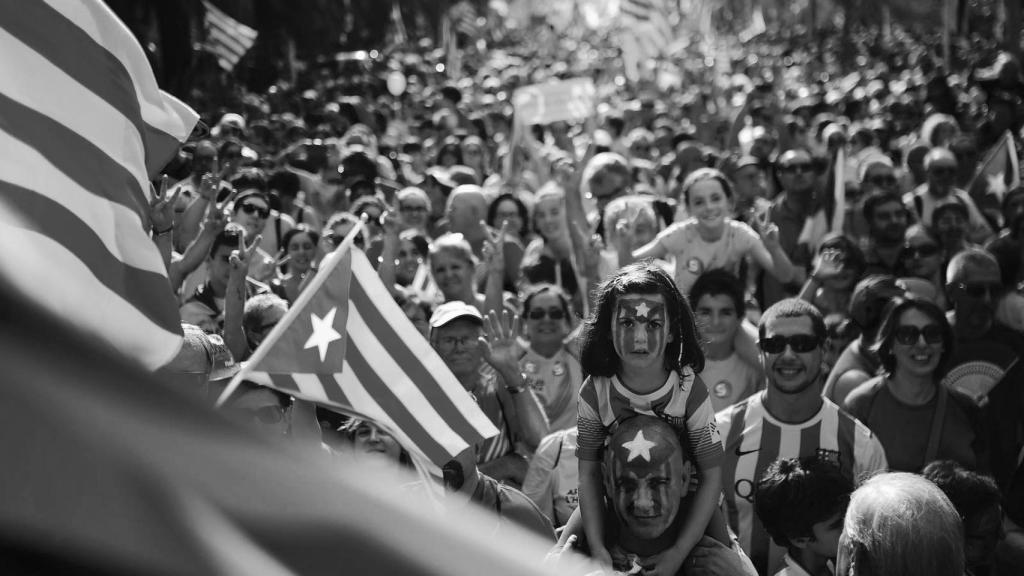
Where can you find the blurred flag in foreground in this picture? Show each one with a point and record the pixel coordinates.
(106, 478)
(226, 38)
(346, 343)
(83, 126)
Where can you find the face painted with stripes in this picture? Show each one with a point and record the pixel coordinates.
(640, 330)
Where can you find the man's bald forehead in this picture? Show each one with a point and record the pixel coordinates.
(939, 155)
(971, 263)
(790, 155)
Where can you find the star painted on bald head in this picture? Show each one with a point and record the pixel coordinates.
(639, 446)
(642, 310)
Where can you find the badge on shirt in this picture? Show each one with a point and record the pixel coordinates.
(695, 266)
(558, 369)
(722, 390)
(530, 367)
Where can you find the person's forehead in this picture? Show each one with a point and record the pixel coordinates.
(301, 238)
(716, 302)
(707, 187)
(545, 299)
(748, 171)
(789, 326)
(255, 399)
(889, 207)
(254, 200)
(878, 169)
(978, 273)
(634, 299)
(508, 206)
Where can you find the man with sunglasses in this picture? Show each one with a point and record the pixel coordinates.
(789, 211)
(939, 188)
(789, 419)
(986, 362)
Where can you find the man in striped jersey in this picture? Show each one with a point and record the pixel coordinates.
(789, 419)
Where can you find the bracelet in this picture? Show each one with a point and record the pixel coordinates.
(164, 232)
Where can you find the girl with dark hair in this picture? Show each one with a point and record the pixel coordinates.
(509, 207)
(915, 417)
(641, 353)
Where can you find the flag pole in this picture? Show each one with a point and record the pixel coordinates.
(261, 351)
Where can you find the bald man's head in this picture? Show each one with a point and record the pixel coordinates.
(645, 476)
(466, 207)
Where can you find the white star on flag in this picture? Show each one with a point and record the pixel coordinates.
(997, 184)
(323, 333)
(639, 446)
(642, 310)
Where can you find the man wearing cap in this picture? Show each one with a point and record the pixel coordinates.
(939, 188)
(201, 359)
(457, 334)
(789, 419)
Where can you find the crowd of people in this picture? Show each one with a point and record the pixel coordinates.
(692, 368)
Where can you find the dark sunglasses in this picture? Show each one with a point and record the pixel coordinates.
(797, 167)
(337, 239)
(979, 290)
(540, 313)
(908, 335)
(922, 251)
(800, 343)
(254, 209)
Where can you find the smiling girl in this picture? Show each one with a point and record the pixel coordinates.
(710, 239)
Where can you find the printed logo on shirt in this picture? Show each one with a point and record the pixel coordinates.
(695, 266)
(828, 456)
(722, 390)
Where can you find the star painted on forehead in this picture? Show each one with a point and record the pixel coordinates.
(642, 310)
(639, 446)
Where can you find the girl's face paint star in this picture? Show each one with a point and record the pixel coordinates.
(640, 330)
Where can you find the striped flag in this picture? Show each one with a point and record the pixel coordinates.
(346, 343)
(83, 126)
(646, 33)
(226, 38)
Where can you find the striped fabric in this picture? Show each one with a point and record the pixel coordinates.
(754, 439)
(226, 38)
(83, 126)
(346, 343)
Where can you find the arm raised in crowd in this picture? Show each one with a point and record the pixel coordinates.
(234, 299)
(213, 224)
(525, 413)
(161, 217)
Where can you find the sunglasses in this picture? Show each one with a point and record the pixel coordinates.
(942, 170)
(540, 313)
(337, 239)
(414, 209)
(800, 343)
(254, 209)
(908, 335)
(802, 167)
(979, 290)
(922, 251)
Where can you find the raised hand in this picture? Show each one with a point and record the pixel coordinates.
(161, 208)
(241, 257)
(498, 344)
(391, 222)
(829, 264)
(494, 248)
(591, 246)
(217, 215)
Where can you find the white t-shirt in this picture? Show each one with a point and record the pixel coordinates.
(694, 256)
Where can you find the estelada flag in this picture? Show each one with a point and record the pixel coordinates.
(83, 127)
(999, 172)
(346, 343)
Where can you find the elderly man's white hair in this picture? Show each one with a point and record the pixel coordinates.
(899, 524)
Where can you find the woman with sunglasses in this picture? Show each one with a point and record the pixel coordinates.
(916, 419)
(922, 258)
(550, 360)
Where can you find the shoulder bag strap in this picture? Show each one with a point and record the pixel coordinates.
(937, 419)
